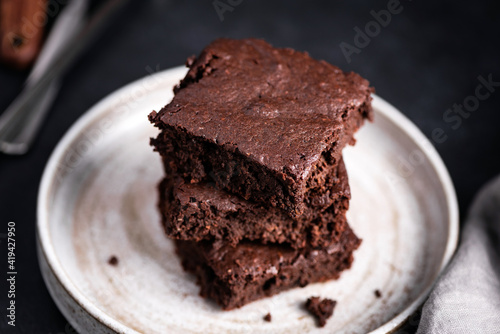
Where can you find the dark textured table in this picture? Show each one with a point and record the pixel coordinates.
(425, 58)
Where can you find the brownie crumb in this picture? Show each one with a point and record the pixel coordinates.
(190, 61)
(267, 317)
(321, 309)
(378, 294)
(113, 260)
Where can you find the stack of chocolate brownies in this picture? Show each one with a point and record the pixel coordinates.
(256, 192)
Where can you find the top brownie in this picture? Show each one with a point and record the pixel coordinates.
(258, 120)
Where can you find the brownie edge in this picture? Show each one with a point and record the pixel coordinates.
(202, 212)
(235, 276)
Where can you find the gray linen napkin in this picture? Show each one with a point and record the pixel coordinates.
(466, 298)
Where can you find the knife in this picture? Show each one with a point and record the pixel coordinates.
(71, 34)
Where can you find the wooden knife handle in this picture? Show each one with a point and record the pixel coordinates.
(22, 25)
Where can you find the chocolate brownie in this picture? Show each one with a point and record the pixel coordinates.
(235, 276)
(322, 309)
(200, 211)
(259, 121)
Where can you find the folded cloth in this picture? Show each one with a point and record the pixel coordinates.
(466, 298)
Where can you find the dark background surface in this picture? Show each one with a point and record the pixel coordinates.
(427, 59)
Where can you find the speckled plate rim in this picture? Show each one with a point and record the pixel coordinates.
(56, 278)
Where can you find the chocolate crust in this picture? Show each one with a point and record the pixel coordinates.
(202, 212)
(235, 276)
(258, 121)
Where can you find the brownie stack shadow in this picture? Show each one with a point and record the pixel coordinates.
(256, 192)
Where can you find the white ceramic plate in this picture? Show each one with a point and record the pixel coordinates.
(98, 199)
